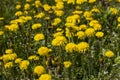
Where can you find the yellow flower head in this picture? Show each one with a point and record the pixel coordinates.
(33, 57)
(95, 10)
(93, 22)
(88, 15)
(39, 70)
(77, 12)
(24, 64)
(8, 57)
(58, 34)
(44, 51)
(26, 6)
(70, 1)
(59, 12)
(59, 5)
(45, 77)
(70, 47)
(8, 65)
(118, 19)
(18, 13)
(1, 33)
(28, 0)
(89, 32)
(80, 1)
(18, 6)
(1, 18)
(39, 37)
(13, 27)
(82, 27)
(118, 25)
(109, 54)
(56, 21)
(39, 15)
(18, 60)
(46, 7)
(114, 11)
(59, 40)
(37, 3)
(118, 0)
(92, 1)
(68, 33)
(67, 64)
(8, 51)
(12, 56)
(82, 47)
(81, 35)
(97, 27)
(99, 34)
(58, 0)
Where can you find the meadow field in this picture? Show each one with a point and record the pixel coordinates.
(59, 39)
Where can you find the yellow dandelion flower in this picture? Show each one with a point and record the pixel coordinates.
(59, 12)
(114, 11)
(99, 34)
(8, 65)
(8, 51)
(118, 0)
(109, 54)
(1, 18)
(18, 13)
(26, 6)
(68, 33)
(39, 70)
(37, 3)
(70, 47)
(70, 1)
(45, 77)
(82, 27)
(56, 21)
(13, 27)
(18, 60)
(82, 47)
(59, 5)
(93, 22)
(1, 33)
(21, 21)
(97, 26)
(24, 64)
(118, 19)
(95, 10)
(5, 58)
(59, 41)
(59, 29)
(67, 64)
(88, 15)
(27, 18)
(89, 32)
(39, 15)
(44, 51)
(46, 7)
(37, 25)
(118, 25)
(18, 6)
(80, 35)
(57, 34)
(28, 0)
(39, 36)
(77, 12)
(80, 1)
(92, 1)
(58, 0)
(33, 57)
(12, 56)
